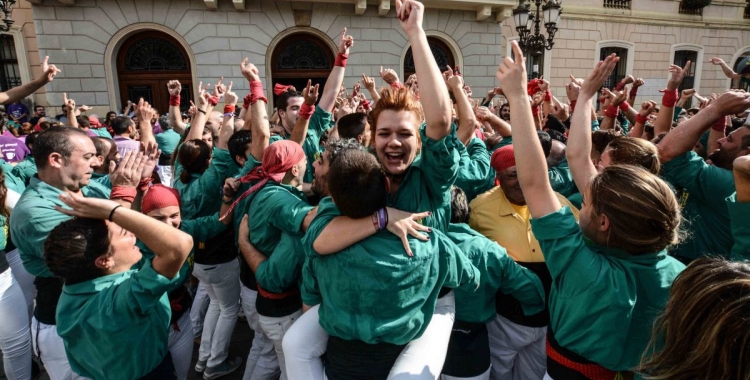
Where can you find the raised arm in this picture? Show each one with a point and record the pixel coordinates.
(531, 164)
(70, 111)
(336, 78)
(466, 120)
(664, 119)
(641, 118)
(201, 114)
(579, 138)
(145, 113)
(434, 93)
(310, 93)
(725, 68)
(369, 84)
(227, 127)
(17, 93)
(634, 91)
(258, 116)
(175, 115)
(683, 139)
(499, 126)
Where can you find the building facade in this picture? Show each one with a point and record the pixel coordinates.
(111, 51)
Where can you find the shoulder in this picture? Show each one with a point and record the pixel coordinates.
(492, 195)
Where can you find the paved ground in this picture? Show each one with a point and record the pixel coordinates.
(241, 341)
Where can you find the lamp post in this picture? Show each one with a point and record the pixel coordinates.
(7, 7)
(533, 42)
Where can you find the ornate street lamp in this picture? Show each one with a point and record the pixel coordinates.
(7, 7)
(525, 21)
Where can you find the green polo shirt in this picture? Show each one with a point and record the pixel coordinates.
(35, 216)
(576, 200)
(274, 209)
(101, 132)
(201, 229)
(283, 268)
(475, 175)
(739, 214)
(505, 141)
(561, 179)
(704, 206)
(372, 291)
(201, 196)
(11, 181)
(603, 301)
(168, 141)
(25, 169)
(116, 327)
(497, 272)
(320, 122)
(102, 179)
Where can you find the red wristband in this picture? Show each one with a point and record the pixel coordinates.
(366, 105)
(641, 119)
(602, 99)
(144, 184)
(306, 111)
(670, 97)
(533, 87)
(229, 108)
(633, 92)
(174, 100)
(341, 60)
(573, 105)
(397, 85)
(256, 92)
(124, 193)
(213, 100)
(720, 125)
(548, 96)
(535, 110)
(624, 106)
(246, 101)
(620, 86)
(612, 111)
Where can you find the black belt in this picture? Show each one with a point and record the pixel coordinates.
(164, 371)
(357, 360)
(48, 291)
(468, 350)
(165, 159)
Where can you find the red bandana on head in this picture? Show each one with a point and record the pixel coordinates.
(279, 89)
(278, 158)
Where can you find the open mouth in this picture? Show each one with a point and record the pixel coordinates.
(394, 158)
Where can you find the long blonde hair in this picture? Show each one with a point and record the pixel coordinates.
(704, 332)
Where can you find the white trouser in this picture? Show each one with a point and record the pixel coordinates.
(423, 358)
(24, 279)
(165, 174)
(484, 376)
(222, 282)
(15, 337)
(275, 328)
(547, 376)
(199, 309)
(181, 346)
(51, 350)
(304, 344)
(517, 352)
(262, 363)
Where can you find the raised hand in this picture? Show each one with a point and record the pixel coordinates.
(454, 82)
(732, 102)
(560, 111)
(69, 104)
(310, 93)
(128, 172)
(49, 71)
(647, 108)
(345, 42)
(230, 97)
(174, 87)
(355, 89)
(615, 97)
(203, 95)
(249, 71)
(638, 82)
(483, 113)
(575, 80)
(150, 158)
(687, 93)
(571, 90)
(628, 80)
(388, 75)
(144, 111)
(543, 85)
(596, 78)
(369, 83)
(717, 61)
(678, 74)
(410, 14)
(220, 89)
(512, 74)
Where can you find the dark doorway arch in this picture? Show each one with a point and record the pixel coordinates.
(440, 50)
(299, 57)
(148, 60)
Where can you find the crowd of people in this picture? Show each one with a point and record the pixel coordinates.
(415, 233)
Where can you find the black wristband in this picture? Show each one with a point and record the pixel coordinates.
(112, 213)
(201, 111)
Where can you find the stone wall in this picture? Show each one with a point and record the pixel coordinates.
(76, 37)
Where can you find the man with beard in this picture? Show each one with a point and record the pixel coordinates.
(705, 186)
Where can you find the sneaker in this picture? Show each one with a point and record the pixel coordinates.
(200, 366)
(228, 366)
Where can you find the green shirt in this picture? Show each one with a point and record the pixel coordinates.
(35, 216)
(11, 181)
(201, 229)
(372, 291)
(475, 175)
(704, 208)
(101, 132)
(282, 269)
(576, 200)
(201, 196)
(274, 209)
(505, 141)
(102, 179)
(25, 169)
(739, 213)
(497, 271)
(168, 141)
(561, 179)
(320, 122)
(116, 327)
(603, 301)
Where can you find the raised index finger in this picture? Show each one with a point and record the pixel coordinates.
(517, 52)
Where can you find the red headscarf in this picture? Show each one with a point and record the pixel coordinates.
(279, 89)
(158, 197)
(278, 158)
(503, 158)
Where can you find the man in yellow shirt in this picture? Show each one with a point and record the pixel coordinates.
(517, 341)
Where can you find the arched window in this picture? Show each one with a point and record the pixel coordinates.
(299, 57)
(146, 62)
(440, 50)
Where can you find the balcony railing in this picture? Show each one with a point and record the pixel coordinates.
(690, 11)
(617, 4)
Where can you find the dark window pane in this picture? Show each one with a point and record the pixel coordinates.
(137, 92)
(303, 55)
(9, 74)
(680, 59)
(155, 54)
(620, 70)
(440, 51)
